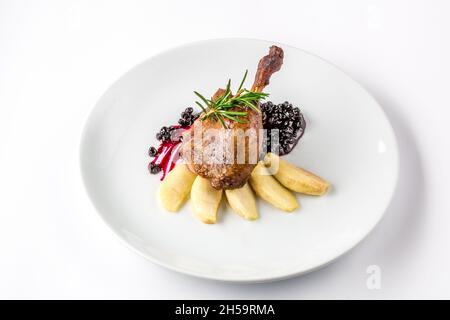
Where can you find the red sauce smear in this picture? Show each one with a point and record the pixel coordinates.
(168, 152)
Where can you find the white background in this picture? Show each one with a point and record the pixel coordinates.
(58, 57)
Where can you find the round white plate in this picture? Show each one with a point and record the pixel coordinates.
(348, 141)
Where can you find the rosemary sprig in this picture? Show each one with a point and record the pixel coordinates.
(220, 108)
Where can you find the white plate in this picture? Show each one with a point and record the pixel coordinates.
(348, 141)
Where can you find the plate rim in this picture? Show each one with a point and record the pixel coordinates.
(259, 279)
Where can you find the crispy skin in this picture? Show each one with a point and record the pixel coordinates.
(218, 157)
(216, 151)
(267, 66)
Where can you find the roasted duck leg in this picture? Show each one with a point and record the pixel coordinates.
(216, 155)
(267, 66)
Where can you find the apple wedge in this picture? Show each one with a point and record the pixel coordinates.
(297, 179)
(175, 187)
(243, 202)
(205, 200)
(269, 189)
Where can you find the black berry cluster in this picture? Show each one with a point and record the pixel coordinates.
(288, 120)
(165, 134)
(154, 168)
(152, 152)
(171, 135)
(188, 117)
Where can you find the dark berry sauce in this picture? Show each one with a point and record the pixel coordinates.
(284, 117)
(166, 154)
(289, 122)
(166, 158)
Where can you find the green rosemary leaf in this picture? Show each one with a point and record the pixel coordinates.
(227, 88)
(220, 108)
(220, 120)
(200, 105)
(242, 82)
(248, 103)
(234, 113)
(206, 101)
(234, 118)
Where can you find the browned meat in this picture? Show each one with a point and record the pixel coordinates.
(228, 156)
(266, 67)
